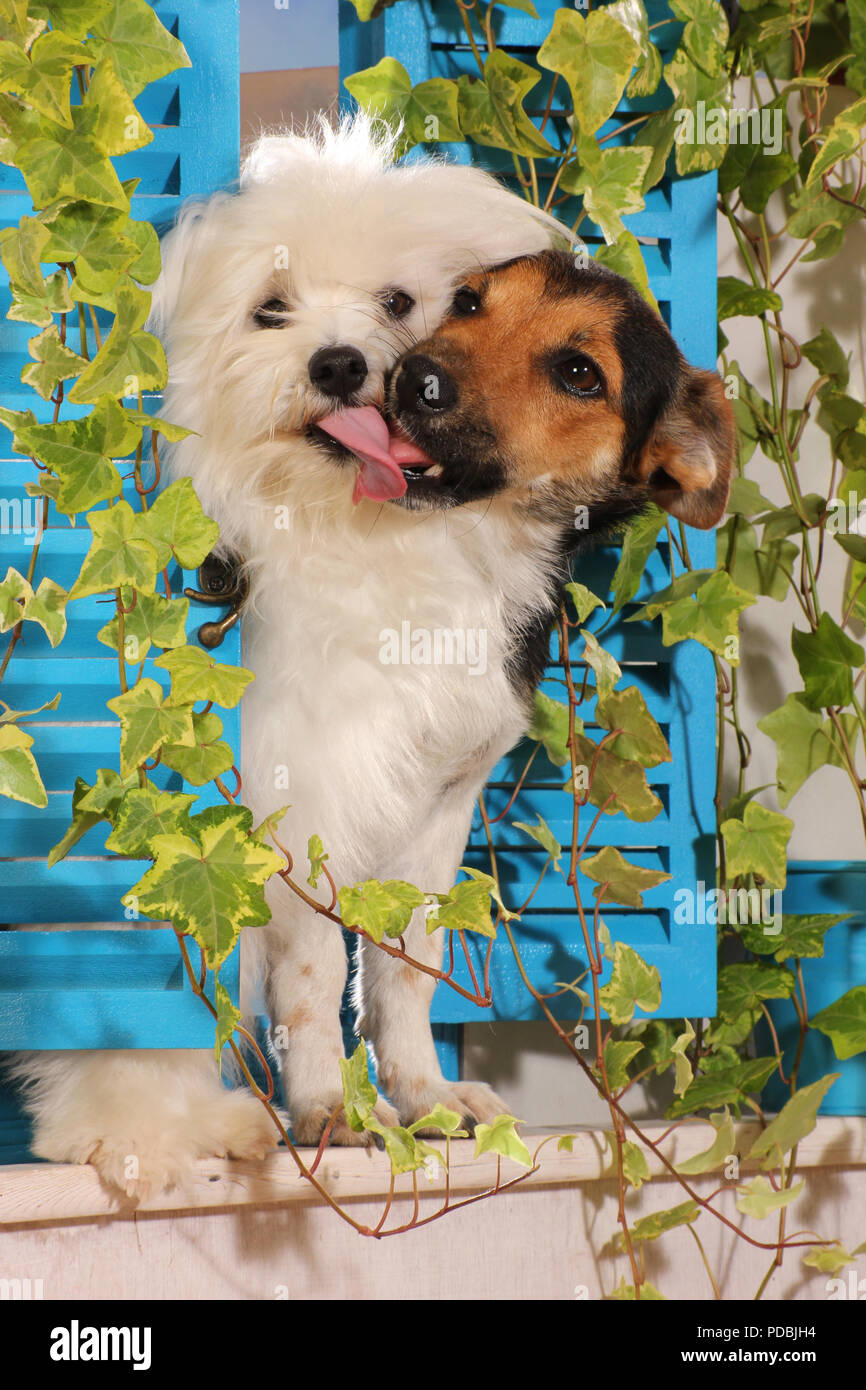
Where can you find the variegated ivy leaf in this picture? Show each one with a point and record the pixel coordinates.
(467, 906)
(380, 909)
(595, 56)
(21, 252)
(54, 362)
(549, 727)
(151, 620)
(46, 606)
(491, 112)
(147, 722)
(317, 856)
(705, 34)
(425, 112)
(701, 117)
(612, 190)
(42, 77)
(142, 48)
(209, 756)
(625, 257)
(613, 783)
(197, 675)
(209, 884)
(80, 454)
(119, 554)
(795, 1120)
(757, 1198)
(640, 737)
(19, 775)
(227, 1019)
(617, 880)
(633, 984)
(829, 1259)
(758, 844)
(130, 360)
(501, 1137)
(359, 1093)
(177, 527)
(544, 836)
(721, 1149)
(607, 671)
(144, 813)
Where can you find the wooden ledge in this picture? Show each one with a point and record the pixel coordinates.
(51, 1193)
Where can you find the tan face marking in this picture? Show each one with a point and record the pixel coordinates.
(502, 358)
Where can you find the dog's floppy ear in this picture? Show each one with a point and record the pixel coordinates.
(687, 460)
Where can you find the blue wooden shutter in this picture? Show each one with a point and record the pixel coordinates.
(111, 988)
(678, 682)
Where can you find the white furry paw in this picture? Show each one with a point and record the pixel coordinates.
(473, 1101)
(309, 1121)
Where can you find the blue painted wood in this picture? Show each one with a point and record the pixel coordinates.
(120, 987)
(678, 683)
(824, 886)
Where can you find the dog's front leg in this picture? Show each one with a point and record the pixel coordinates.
(395, 998)
(306, 977)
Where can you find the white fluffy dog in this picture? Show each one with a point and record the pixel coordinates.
(282, 307)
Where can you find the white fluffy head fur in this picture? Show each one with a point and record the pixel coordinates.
(327, 222)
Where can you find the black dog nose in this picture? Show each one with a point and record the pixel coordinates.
(424, 385)
(337, 371)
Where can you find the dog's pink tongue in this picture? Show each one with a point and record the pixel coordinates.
(363, 430)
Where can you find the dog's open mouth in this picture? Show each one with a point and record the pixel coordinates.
(391, 463)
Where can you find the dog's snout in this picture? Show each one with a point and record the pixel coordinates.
(425, 385)
(337, 371)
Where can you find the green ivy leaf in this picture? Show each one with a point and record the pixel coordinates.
(595, 56)
(21, 251)
(207, 758)
(446, 1121)
(549, 727)
(359, 1093)
(405, 1152)
(844, 1023)
(624, 256)
(142, 48)
(804, 742)
(118, 554)
(761, 570)
(652, 1226)
(633, 984)
(736, 298)
(9, 716)
(502, 1138)
(710, 615)
(54, 362)
(585, 602)
(820, 217)
(317, 856)
(729, 1085)
(146, 723)
(491, 112)
(466, 907)
(795, 1120)
(619, 881)
(80, 452)
(209, 885)
(618, 1052)
(614, 783)
(706, 32)
(19, 775)
(825, 658)
(227, 1019)
(178, 528)
(801, 935)
(130, 361)
(757, 1198)
(144, 813)
(42, 76)
(829, 1259)
(632, 15)
(744, 986)
(153, 620)
(74, 17)
(613, 190)
(757, 844)
(625, 1293)
(607, 671)
(639, 542)
(93, 238)
(701, 129)
(197, 675)
(380, 909)
(544, 836)
(721, 1149)
(426, 112)
(640, 740)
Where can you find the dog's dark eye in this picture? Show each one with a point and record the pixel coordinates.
(465, 303)
(398, 303)
(578, 375)
(271, 314)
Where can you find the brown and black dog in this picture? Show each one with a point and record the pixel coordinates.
(559, 389)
